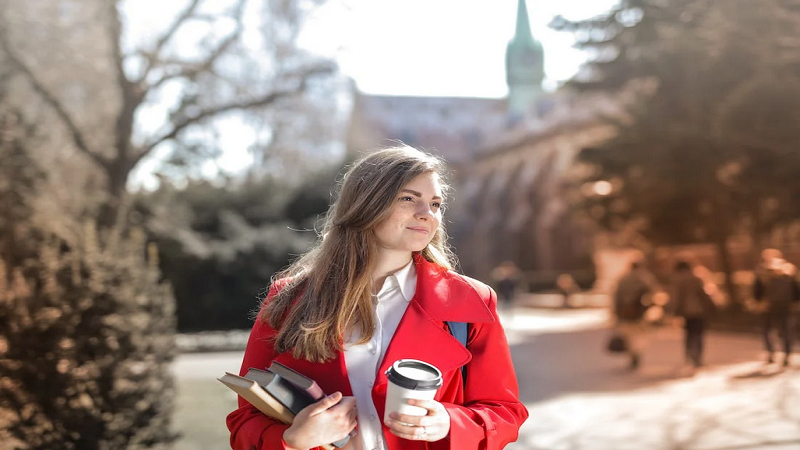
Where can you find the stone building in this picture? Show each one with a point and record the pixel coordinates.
(511, 201)
(510, 158)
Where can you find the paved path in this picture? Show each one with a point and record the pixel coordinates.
(580, 397)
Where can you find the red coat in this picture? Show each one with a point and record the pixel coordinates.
(486, 414)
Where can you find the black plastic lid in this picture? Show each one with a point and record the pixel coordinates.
(409, 383)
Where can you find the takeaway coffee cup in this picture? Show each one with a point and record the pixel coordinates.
(410, 378)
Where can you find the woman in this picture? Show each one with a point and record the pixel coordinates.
(379, 287)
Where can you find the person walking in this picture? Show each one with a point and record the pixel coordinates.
(777, 290)
(690, 301)
(566, 287)
(629, 308)
(506, 277)
(379, 287)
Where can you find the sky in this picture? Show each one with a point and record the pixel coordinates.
(441, 47)
(398, 47)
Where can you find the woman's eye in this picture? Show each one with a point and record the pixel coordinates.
(406, 198)
(436, 205)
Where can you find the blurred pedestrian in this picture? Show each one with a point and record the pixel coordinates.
(690, 301)
(630, 304)
(777, 290)
(566, 286)
(506, 277)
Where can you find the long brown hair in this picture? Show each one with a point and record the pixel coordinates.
(327, 291)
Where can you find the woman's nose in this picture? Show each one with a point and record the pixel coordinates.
(424, 211)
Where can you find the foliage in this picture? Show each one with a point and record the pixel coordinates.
(706, 149)
(88, 329)
(166, 93)
(220, 245)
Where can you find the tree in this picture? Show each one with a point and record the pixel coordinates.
(688, 162)
(220, 245)
(156, 95)
(87, 327)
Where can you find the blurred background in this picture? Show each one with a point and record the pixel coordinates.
(159, 161)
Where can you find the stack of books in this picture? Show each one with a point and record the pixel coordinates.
(279, 392)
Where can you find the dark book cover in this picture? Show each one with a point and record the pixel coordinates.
(298, 379)
(297, 389)
(291, 396)
(251, 391)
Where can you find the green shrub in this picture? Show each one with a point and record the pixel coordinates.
(87, 331)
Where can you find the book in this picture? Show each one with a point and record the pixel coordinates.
(294, 397)
(256, 396)
(303, 382)
(291, 396)
(274, 396)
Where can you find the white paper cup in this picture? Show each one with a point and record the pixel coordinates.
(410, 378)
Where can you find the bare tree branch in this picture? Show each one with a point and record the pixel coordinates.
(115, 38)
(190, 71)
(245, 104)
(132, 95)
(152, 57)
(240, 104)
(50, 99)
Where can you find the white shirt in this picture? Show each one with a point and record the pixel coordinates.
(362, 360)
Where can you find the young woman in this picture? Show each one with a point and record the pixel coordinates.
(379, 287)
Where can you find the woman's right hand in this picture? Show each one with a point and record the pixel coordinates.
(323, 422)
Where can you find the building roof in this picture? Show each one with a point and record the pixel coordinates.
(454, 127)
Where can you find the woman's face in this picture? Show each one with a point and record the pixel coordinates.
(414, 218)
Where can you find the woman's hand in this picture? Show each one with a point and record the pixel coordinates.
(431, 427)
(323, 422)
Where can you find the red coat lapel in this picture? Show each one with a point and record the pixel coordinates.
(440, 296)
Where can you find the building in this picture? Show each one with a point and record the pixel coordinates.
(510, 160)
(456, 127)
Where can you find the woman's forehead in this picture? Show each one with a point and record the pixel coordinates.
(426, 183)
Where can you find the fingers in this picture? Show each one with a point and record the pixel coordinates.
(325, 403)
(409, 431)
(347, 411)
(345, 406)
(431, 427)
(431, 405)
(353, 413)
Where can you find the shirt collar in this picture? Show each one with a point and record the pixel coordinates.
(405, 279)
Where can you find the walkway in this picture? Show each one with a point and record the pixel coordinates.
(580, 397)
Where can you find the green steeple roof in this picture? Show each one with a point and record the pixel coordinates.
(524, 64)
(523, 34)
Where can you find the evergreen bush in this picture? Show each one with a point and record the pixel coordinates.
(87, 329)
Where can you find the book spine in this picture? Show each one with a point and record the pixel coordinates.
(299, 380)
(285, 392)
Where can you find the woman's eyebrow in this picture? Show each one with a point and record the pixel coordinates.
(419, 194)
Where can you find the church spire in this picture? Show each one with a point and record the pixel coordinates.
(524, 65)
(523, 33)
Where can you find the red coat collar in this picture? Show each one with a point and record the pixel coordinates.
(441, 295)
(447, 296)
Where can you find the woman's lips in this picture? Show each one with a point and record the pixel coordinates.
(419, 229)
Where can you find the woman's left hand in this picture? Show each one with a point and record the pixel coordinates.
(431, 427)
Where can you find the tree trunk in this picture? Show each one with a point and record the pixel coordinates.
(720, 242)
(117, 174)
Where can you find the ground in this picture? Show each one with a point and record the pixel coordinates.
(581, 397)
